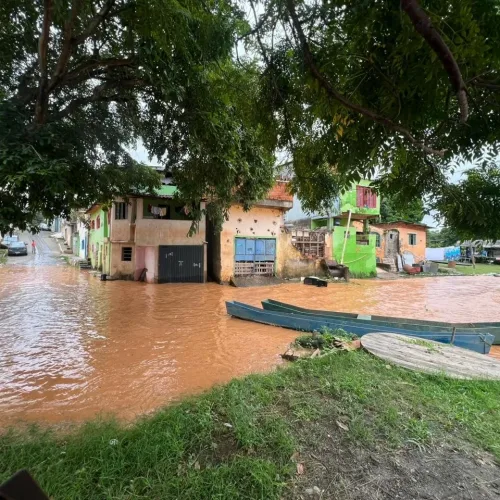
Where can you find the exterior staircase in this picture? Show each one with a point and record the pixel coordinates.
(391, 262)
(85, 264)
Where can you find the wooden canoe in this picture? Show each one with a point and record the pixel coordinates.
(477, 342)
(405, 323)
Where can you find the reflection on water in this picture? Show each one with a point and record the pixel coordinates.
(72, 346)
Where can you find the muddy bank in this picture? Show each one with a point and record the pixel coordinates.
(73, 346)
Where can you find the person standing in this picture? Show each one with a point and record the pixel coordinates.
(33, 246)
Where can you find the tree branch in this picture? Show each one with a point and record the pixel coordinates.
(479, 82)
(85, 68)
(99, 95)
(258, 25)
(424, 27)
(67, 44)
(94, 22)
(43, 43)
(337, 96)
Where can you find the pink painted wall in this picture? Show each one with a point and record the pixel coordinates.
(145, 237)
(151, 261)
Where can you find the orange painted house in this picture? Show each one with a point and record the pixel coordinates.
(251, 242)
(407, 239)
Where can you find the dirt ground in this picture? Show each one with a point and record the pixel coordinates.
(346, 471)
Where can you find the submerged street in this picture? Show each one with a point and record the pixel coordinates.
(73, 347)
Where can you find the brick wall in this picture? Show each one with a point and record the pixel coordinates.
(280, 192)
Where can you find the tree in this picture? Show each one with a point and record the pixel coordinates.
(472, 206)
(392, 209)
(82, 80)
(444, 237)
(348, 89)
(401, 89)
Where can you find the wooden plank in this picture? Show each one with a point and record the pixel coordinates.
(431, 357)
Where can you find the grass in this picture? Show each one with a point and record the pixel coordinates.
(480, 269)
(237, 441)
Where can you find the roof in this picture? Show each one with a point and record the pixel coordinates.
(93, 208)
(396, 222)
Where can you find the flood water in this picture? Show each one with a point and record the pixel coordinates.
(72, 347)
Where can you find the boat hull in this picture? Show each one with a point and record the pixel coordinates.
(419, 325)
(477, 342)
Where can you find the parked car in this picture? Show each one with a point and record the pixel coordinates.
(6, 242)
(44, 227)
(17, 248)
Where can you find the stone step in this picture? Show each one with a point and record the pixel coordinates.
(391, 262)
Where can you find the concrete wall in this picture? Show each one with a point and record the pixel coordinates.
(418, 250)
(155, 232)
(258, 222)
(292, 264)
(146, 236)
(117, 267)
(120, 228)
(359, 258)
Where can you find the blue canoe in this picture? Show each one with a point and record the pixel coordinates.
(478, 342)
(388, 321)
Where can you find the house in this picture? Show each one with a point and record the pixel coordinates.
(408, 239)
(68, 228)
(347, 224)
(147, 238)
(253, 242)
(98, 248)
(81, 244)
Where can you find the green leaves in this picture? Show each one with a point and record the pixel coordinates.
(372, 55)
(471, 207)
(156, 70)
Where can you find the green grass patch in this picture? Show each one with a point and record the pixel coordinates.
(325, 339)
(479, 269)
(237, 441)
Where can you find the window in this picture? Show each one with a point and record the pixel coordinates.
(362, 239)
(377, 239)
(412, 239)
(160, 208)
(121, 211)
(98, 222)
(127, 254)
(92, 224)
(365, 197)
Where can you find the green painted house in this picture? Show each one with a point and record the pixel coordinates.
(98, 250)
(359, 254)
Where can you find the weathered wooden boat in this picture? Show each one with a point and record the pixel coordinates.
(483, 327)
(479, 342)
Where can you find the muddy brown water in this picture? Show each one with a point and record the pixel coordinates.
(73, 347)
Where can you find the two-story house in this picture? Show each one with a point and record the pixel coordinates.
(147, 238)
(348, 224)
